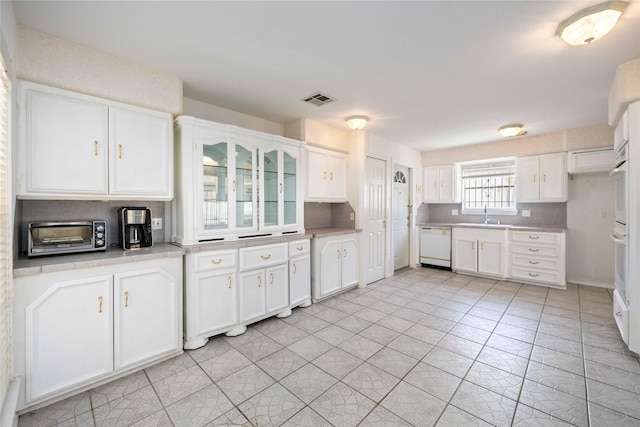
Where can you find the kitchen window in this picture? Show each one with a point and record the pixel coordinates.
(489, 185)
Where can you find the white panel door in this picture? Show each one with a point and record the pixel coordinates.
(465, 255)
(554, 176)
(528, 179)
(216, 299)
(145, 315)
(277, 278)
(375, 206)
(490, 258)
(253, 298)
(350, 261)
(69, 335)
(430, 184)
(316, 175)
(400, 214)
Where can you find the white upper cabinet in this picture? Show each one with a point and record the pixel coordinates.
(239, 182)
(542, 178)
(74, 146)
(326, 176)
(440, 184)
(140, 154)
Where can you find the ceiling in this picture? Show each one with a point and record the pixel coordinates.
(429, 74)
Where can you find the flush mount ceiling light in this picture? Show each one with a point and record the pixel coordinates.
(509, 131)
(591, 23)
(357, 122)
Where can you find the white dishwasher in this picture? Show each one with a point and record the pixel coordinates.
(435, 246)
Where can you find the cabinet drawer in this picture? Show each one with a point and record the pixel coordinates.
(262, 256)
(534, 275)
(535, 262)
(535, 250)
(207, 261)
(533, 238)
(299, 247)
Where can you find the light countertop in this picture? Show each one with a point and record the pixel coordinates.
(331, 231)
(539, 229)
(45, 264)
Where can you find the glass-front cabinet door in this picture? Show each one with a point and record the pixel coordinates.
(228, 190)
(271, 189)
(280, 186)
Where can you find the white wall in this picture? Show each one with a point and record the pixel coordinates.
(318, 134)
(590, 251)
(573, 139)
(214, 113)
(55, 62)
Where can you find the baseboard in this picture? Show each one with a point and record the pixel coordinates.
(594, 284)
(8, 413)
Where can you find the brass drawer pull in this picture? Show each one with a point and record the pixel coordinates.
(126, 299)
(534, 262)
(300, 248)
(533, 274)
(100, 303)
(119, 151)
(295, 268)
(534, 237)
(534, 249)
(213, 261)
(259, 281)
(229, 282)
(95, 148)
(272, 278)
(265, 256)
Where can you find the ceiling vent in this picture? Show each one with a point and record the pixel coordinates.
(318, 99)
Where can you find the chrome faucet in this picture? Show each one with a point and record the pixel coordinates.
(486, 218)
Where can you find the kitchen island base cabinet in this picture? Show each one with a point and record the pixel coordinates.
(335, 264)
(538, 258)
(83, 327)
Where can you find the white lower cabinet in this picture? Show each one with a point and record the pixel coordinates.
(299, 273)
(538, 258)
(335, 264)
(225, 290)
(79, 327)
(480, 251)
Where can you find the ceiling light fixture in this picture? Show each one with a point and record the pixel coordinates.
(357, 122)
(591, 23)
(512, 130)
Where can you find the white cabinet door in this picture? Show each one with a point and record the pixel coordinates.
(439, 184)
(542, 178)
(216, 301)
(292, 194)
(553, 170)
(491, 258)
(66, 145)
(299, 280)
(465, 256)
(349, 261)
(69, 336)
(141, 162)
(331, 267)
(253, 302)
(326, 176)
(337, 177)
(528, 179)
(430, 184)
(146, 310)
(447, 178)
(277, 287)
(316, 175)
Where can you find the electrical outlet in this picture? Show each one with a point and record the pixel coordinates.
(603, 215)
(454, 212)
(156, 223)
(526, 212)
(352, 216)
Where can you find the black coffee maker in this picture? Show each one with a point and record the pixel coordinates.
(134, 228)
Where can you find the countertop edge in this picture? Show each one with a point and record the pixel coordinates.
(331, 231)
(540, 229)
(31, 266)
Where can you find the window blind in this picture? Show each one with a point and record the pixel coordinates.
(5, 237)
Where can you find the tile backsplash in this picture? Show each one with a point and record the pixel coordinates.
(322, 215)
(66, 210)
(542, 215)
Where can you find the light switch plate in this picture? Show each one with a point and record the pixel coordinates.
(526, 212)
(156, 223)
(352, 216)
(454, 212)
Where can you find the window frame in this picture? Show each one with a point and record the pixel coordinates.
(492, 168)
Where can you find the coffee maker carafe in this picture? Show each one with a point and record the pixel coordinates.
(134, 228)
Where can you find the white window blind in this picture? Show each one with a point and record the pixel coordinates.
(5, 237)
(490, 185)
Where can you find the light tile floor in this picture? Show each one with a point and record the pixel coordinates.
(425, 347)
